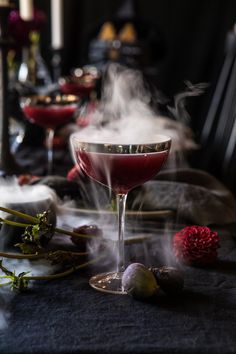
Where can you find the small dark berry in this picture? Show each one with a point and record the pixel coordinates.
(90, 230)
(169, 279)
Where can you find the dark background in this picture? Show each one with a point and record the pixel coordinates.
(190, 37)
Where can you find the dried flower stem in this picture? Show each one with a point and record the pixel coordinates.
(5, 284)
(13, 223)
(35, 256)
(20, 281)
(35, 220)
(28, 217)
(63, 274)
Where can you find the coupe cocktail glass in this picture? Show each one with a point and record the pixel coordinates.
(49, 112)
(81, 82)
(121, 167)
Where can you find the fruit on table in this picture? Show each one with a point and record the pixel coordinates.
(139, 281)
(169, 279)
(90, 230)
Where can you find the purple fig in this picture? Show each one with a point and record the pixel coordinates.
(139, 281)
(169, 279)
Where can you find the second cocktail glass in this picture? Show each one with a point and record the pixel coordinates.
(49, 112)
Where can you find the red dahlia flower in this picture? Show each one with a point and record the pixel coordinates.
(196, 245)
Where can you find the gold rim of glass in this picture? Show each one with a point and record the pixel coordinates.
(116, 148)
(48, 101)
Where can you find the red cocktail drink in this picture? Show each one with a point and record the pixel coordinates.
(121, 172)
(51, 116)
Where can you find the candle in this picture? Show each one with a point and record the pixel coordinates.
(26, 10)
(4, 3)
(57, 24)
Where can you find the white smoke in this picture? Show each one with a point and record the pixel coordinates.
(11, 192)
(13, 195)
(125, 116)
(35, 268)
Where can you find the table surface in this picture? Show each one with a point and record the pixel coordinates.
(68, 316)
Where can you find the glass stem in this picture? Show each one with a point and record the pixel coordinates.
(49, 139)
(121, 204)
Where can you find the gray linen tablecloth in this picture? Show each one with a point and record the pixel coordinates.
(67, 316)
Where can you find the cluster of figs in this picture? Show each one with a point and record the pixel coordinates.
(139, 281)
(144, 283)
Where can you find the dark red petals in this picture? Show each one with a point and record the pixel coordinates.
(196, 245)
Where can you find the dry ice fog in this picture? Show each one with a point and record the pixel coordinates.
(125, 116)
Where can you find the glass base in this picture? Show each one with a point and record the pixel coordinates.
(108, 283)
